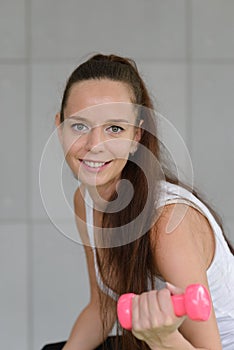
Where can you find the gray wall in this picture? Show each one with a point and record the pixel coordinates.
(185, 51)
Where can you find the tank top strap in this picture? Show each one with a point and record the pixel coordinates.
(172, 193)
(90, 228)
(89, 217)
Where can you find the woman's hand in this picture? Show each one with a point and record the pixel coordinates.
(153, 317)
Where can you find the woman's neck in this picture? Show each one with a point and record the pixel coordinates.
(101, 194)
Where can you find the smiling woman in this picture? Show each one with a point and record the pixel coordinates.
(140, 226)
(95, 136)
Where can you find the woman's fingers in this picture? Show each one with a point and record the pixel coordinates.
(154, 309)
(140, 311)
(150, 309)
(153, 314)
(165, 303)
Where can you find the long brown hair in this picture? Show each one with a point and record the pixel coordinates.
(128, 267)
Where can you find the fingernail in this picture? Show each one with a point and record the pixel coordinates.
(170, 285)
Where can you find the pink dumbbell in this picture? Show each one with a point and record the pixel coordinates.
(195, 303)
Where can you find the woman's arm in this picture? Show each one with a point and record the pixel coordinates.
(87, 332)
(182, 258)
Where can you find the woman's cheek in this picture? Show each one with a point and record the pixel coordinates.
(71, 145)
(120, 148)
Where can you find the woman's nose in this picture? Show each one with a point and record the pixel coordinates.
(95, 141)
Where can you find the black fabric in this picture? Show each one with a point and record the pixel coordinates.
(109, 344)
(54, 346)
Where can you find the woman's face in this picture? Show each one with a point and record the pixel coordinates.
(99, 131)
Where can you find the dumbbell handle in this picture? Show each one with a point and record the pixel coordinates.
(195, 303)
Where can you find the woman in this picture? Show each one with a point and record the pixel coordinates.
(139, 236)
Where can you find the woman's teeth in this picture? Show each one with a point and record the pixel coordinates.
(93, 164)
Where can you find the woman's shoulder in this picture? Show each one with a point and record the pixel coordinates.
(171, 191)
(183, 239)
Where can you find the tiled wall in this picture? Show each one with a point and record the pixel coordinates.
(185, 51)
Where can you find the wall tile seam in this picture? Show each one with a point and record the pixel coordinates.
(30, 253)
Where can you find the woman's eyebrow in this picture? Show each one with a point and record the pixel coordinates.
(76, 117)
(118, 121)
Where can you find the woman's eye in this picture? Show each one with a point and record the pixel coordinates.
(79, 127)
(115, 129)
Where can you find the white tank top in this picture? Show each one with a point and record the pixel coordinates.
(220, 273)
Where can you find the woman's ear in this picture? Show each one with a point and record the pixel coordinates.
(139, 131)
(58, 125)
(137, 138)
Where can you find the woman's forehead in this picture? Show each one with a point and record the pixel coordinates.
(114, 112)
(93, 92)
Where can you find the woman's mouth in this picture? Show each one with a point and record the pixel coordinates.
(93, 165)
